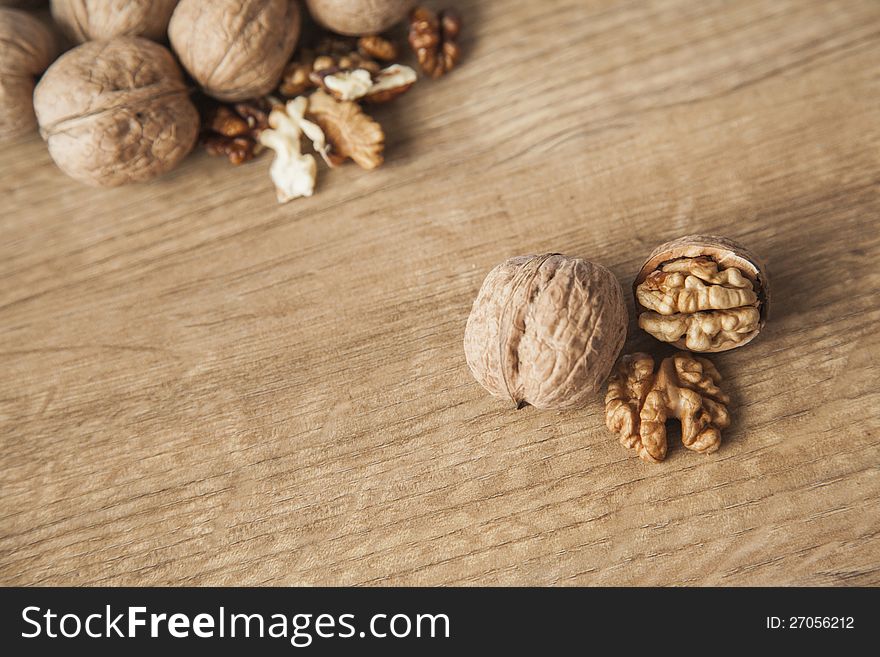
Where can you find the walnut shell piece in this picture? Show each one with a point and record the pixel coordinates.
(116, 111)
(703, 293)
(28, 48)
(235, 49)
(639, 401)
(545, 330)
(358, 17)
(97, 20)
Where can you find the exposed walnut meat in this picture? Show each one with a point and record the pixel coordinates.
(639, 402)
(356, 84)
(293, 172)
(349, 131)
(233, 130)
(433, 38)
(705, 294)
(377, 47)
(344, 84)
(295, 80)
(390, 83)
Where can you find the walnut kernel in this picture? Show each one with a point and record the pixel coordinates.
(640, 400)
(702, 293)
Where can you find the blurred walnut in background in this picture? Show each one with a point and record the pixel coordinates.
(93, 20)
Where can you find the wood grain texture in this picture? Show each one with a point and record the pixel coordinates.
(198, 386)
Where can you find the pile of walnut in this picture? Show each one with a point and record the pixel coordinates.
(546, 330)
(321, 95)
(118, 107)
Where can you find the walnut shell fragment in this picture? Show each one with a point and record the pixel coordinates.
(235, 49)
(545, 330)
(96, 20)
(358, 17)
(639, 401)
(28, 48)
(116, 111)
(702, 293)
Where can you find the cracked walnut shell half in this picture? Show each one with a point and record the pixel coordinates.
(545, 330)
(702, 293)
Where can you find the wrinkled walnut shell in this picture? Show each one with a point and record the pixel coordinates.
(545, 330)
(358, 17)
(235, 49)
(726, 253)
(117, 111)
(28, 48)
(97, 20)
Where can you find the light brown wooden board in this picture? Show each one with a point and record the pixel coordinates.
(199, 386)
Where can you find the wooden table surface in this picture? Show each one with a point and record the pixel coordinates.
(199, 386)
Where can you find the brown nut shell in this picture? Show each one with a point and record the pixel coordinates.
(96, 20)
(28, 48)
(235, 49)
(726, 254)
(545, 330)
(358, 17)
(116, 111)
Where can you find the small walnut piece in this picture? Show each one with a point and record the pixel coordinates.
(348, 84)
(390, 83)
(434, 39)
(235, 49)
(96, 20)
(349, 131)
(685, 387)
(358, 17)
(344, 84)
(28, 48)
(545, 330)
(702, 293)
(116, 111)
(233, 131)
(292, 171)
(377, 47)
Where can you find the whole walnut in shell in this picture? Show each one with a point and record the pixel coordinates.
(96, 20)
(545, 330)
(116, 111)
(235, 49)
(703, 293)
(28, 48)
(358, 17)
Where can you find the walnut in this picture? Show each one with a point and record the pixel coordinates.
(95, 20)
(235, 49)
(349, 131)
(28, 48)
(390, 83)
(233, 130)
(293, 172)
(116, 111)
(639, 401)
(545, 330)
(433, 38)
(23, 4)
(377, 47)
(356, 84)
(702, 293)
(358, 17)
